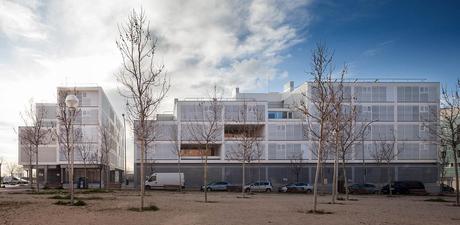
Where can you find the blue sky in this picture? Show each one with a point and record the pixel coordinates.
(383, 39)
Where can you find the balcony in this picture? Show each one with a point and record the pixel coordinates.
(197, 151)
(234, 132)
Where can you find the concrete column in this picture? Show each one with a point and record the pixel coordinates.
(62, 175)
(223, 173)
(45, 174)
(266, 173)
(352, 174)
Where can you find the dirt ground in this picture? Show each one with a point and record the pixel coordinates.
(225, 208)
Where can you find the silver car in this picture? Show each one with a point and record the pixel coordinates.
(259, 186)
(216, 186)
(296, 187)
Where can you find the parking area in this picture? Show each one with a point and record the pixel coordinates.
(17, 207)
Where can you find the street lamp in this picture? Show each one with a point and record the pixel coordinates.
(71, 101)
(124, 140)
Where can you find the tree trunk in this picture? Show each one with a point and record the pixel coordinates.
(71, 181)
(457, 198)
(380, 178)
(100, 176)
(259, 168)
(36, 168)
(29, 174)
(142, 168)
(335, 175)
(178, 169)
(389, 179)
(345, 180)
(205, 175)
(243, 178)
(107, 176)
(86, 174)
(318, 167)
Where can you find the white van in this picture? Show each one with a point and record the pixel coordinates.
(163, 180)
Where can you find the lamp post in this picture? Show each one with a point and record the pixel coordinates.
(124, 141)
(71, 102)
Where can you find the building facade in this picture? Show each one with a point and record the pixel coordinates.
(400, 111)
(94, 114)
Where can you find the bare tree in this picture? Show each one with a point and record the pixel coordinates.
(247, 134)
(143, 84)
(377, 156)
(34, 134)
(176, 151)
(66, 135)
(107, 146)
(12, 168)
(347, 131)
(316, 105)
(296, 164)
(206, 131)
(442, 164)
(337, 118)
(259, 155)
(448, 131)
(385, 152)
(86, 152)
(28, 149)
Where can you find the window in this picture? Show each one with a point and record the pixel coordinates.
(364, 113)
(379, 94)
(363, 94)
(153, 178)
(408, 113)
(383, 113)
(279, 115)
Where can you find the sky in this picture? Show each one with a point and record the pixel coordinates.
(256, 45)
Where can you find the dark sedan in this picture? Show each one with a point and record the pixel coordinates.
(363, 189)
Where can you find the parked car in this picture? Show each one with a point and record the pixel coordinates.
(362, 189)
(12, 180)
(296, 187)
(447, 189)
(405, 187)
(259, 186)
(217, 186)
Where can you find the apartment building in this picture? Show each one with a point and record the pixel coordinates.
(94, 113)
(399, 111)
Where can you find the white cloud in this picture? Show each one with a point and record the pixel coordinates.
(19, 21)
(232, 43)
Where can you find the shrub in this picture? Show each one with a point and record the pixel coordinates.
(148, 208)
(76, 203)
(436, 200)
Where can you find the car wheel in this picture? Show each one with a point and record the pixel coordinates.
(309, 191)
(268, 190)
(148, 187)
(209, 189)
(247, 190)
